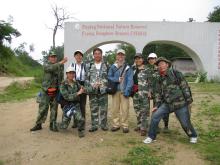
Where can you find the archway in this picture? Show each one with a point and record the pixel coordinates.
(187, 49)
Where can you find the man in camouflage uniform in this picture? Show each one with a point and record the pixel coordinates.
(46, 98)
(71, 90)
(141, 101)
(96, 78)
(151, 59)
(172, 94)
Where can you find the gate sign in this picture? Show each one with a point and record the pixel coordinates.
(200, 40)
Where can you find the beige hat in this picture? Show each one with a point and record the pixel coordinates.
(70, 69)
(121, 51)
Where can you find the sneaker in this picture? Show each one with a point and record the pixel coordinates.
(93, 129)
(114, 129)
(193, 140)
(36, 127)
(125, 130)
(148, 140)
(81, 134)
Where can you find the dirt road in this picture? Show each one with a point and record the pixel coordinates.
(6, 81)
(18, 146)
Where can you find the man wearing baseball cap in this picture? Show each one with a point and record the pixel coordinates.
(46, 98)
(172, 94)
(71, 90)
(122, 74)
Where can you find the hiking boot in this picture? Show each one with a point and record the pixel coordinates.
(81, 134)
(104, 128)
(125, 130)
(114, 129)
(53, 127)
(74, 125)
(137, 129)
(36, 127)
(93, 129)
(143, 132)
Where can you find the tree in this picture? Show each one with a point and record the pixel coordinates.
(60, 16)
(165, 50)
(215, 15)
(7, 32)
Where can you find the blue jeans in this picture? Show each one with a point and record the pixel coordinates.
(182, 115)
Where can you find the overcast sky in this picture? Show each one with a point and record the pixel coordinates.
(32, 18)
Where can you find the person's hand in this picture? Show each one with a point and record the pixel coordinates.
(154, 109)
(121, 79)
(80, 91)
(64, 60)
(95, 85)
(149, 95)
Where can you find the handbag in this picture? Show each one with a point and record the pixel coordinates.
(112, 86)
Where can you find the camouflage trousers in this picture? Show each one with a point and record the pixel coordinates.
(142, 110)
(77, 116)
(99, 108)
(45, 103)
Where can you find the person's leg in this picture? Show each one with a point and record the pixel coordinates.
(53, 114)
(116, 110)
(80, 120)
(43, 109)
(155, 119)
(137, 110)
(166, 121)
(124, 112)
(103, 103)
(94, 107)
(183, 116)
(82, 109)
(144, 115)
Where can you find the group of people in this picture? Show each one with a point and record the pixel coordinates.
(156, 80)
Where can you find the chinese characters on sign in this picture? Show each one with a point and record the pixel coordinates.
(138, 30)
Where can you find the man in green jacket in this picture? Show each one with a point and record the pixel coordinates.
(172, 94)
(47, 97)
(71, 90)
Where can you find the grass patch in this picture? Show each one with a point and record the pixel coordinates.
(17, 91)
(209, 138)
(142, 155)
(213, 88)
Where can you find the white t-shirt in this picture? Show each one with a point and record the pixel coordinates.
(80, 75)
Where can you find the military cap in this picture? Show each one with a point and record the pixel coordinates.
(52, 53)
(138, 55)
(162, 59)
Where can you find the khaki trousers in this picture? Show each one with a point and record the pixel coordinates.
(120, 110)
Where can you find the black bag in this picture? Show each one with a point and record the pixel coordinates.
(112, 86)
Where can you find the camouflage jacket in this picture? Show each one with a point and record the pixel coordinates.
(143, 80)
(93, 76)
(69, 92)
(53, 75)
(173, 90)
(152, 76)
